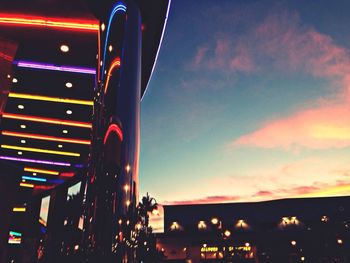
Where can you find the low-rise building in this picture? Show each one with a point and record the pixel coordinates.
(287, 230)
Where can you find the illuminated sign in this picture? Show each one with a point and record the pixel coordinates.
(209, 249)
(230, 248)
(240, 248)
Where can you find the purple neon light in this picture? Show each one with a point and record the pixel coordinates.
(44, 66)
(9, 158)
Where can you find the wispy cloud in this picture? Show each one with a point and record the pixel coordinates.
(223, 55)
(296, 48)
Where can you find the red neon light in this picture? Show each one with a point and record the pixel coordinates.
(115, 63)
(6, 57)
(43, 137)
(58, 23)
(43, 187)
(113, 128)
(47, 120)
(71, 174)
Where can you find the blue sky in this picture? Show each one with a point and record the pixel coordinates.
(248, 102)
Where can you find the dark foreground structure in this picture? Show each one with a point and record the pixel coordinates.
(283, 231)
(72, 74)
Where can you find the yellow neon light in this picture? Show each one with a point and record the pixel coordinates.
(37, 150)
(27, 185)
(34, 170)
(50, 99)
(19, 209)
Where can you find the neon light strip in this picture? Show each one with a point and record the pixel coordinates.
(113, 128)
(15, 241)
(160, 43)
(6, 57)
(26, 185)
(56, 181)
(16, 159)
(115, 63)
(37, 179)
(40, 171)
(43, 137)
(38, 150)
(44, 66)
(16, 234)
(46, 120)
(118, 7)
(43, 187)
(50, 99)
(71, 174)
(44, 22)
(99, 56)
(19, 209)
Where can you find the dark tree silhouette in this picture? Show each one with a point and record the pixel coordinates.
(147, 205)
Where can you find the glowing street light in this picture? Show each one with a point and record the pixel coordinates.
(214, 221)
(227, 233)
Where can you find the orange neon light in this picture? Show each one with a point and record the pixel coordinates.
(44, 137)
(46, 120)
(40, 171)
(115, 63)
(116, 129)
(26, 185)
(58, 23)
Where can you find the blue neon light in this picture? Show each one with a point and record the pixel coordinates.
(38, 179)
(17, 234)
(43, 229)
(56, 181)
(118, 7)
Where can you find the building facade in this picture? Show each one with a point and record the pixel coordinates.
(289, 230)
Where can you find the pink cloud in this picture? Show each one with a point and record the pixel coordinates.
(293, 47)
(225, 56)
(205, 200)
(201, 52)
(264, 194)
(242, 61)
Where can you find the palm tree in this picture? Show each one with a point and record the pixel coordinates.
(147, 248)
(146, 206)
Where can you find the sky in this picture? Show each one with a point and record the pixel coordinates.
(249, 101)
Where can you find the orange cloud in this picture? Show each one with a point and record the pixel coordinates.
(318, 128)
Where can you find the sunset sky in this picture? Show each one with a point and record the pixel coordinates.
(249, 101)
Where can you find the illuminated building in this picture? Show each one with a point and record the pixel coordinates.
(287, 230)
(73, 75)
